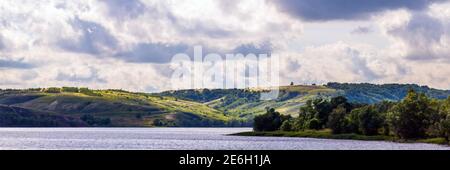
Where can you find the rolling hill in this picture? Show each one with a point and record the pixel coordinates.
(71, 106)
(107, 108)
(245, 103)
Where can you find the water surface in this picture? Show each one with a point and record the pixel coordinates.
(177, 139)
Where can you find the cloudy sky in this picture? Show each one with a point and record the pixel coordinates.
(128, 44)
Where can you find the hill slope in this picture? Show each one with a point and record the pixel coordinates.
(202, 107)
(372, 93)
(245, 103)
(113, 108)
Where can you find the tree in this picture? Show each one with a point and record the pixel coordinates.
(336, 120)
(411, 117)
(70, 89)
(313, 124)
(95, 121)
(368, 120)
(445, 128)
(315, 113)
(270, 121)
(286, 126)
(444, 124)
(53, 90)
(322, 109)
(292, 83)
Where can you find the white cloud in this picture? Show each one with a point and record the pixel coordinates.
(419, 36)
(127, 44)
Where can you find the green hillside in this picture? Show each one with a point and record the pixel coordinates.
(72, 106)
(245, 103)
(111, 108)
(373, 93)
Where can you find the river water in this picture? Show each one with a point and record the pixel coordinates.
(178, 139)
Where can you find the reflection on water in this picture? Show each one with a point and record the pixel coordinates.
(177, 139)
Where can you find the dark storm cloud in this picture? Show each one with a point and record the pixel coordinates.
(94, 39)
(15, 64)
(325, 10)
(124, 9)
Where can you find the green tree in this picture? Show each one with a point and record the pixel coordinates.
(286, 126)
(70, 89)
(313, 124)
(411, 117)
(444, 124)
(445, 128)
(53, 90)
(368, 120)
(336, 120)
(270, 121)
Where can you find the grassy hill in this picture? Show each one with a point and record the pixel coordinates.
(373, 93)
(245, 103)
(111, 108)
(71, 106)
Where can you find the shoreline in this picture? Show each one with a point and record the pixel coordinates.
(326, 134)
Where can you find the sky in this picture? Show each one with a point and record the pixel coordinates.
(128, 44)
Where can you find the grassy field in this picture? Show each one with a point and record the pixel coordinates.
(326, 134)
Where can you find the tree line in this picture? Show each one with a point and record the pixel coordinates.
(416, 116)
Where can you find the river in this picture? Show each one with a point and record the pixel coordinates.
(178, 139)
